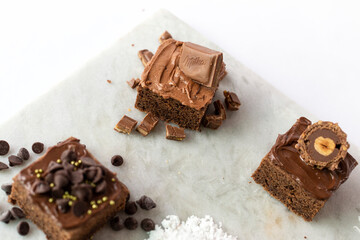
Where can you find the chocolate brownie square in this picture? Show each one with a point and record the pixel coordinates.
(67, 193)
(302, 188)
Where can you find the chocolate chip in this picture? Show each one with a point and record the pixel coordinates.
(6, 216)
(23, 228)
(62, 205)
(40, 187)
(14, 160)
(98, 176)
(49, 178)
(101, 187)
(23, 154)
(147, 224)
(17, 213)
(117, 160)
(60, 180)
(4, 147)
(130, 223)
(57, 192)
(6, 188)
(80, 208)
(87, 161)
(116, 223)
(90, 173)
(38, 147)
(82, 192)
(130, 208)
(77, 176)
(3, 166)
(54, 166)
(146, 203)
(69, 155)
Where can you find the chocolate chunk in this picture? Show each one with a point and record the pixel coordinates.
(4, 147)
(23, 154)
(57, 192)
(116, 223)
(101, 187)
(323, 145)
(87, 161)
(6, 188)
(63, 205)
(80, 208)
(175, 133)
(232, 101)
(40, 187)
(125, 125)
(117, 160)
(164, 36)
(147, 225)
(82, 191)
(60, 180)
(3, 166)
(38, 147)
(212, 121)
(145, 56)
(146, 203)
(201, 64)
(14, 160)
(68, 155)
(17, 213)
(49, 178)
(90, 173)
(220, 109)
(148, 123)
(131, 223)
(133, 83)
(98, 176)
(130, 208)
(6, 216)
(23, 228)
(77, 176)
(54, 166)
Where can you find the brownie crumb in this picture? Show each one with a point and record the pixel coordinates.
(109, 81)
(4, 147)
(38, 147)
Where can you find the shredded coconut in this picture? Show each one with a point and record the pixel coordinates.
(193, 229)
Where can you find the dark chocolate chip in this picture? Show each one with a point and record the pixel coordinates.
(6, 216)
(23, 228)
(77, 176)
(146, 203)
(54, 166)
(101, 187)
(17, 213)
(130, 208)
(82, 192)
(116, 223)
(6, 188)
(87, 161)
(68, 167)
(90, 173)
(98, 176)
(49, 178)
(147, 224)
(80, 208)
(117, 160)
(57, 192)
(23, 154)
(38, 147)
(62, 205)
(40, 187)
(130, 223)
(69, 155)
(3, 166)
(4, 147)
(14, 160)
(60, 180)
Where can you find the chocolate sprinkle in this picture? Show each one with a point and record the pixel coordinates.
(4, 147)
(23, 154)
(146, 203)
(80, 208)
(130, 208)
(23, 228)
(147, 224)
(131, 223)
(14, 160)
(6, 188)
(6, 216)
(116, 223)
(17, 213)
(117, 160)
(3, 166)
(38, 147)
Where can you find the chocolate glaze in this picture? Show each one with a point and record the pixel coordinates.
(115, 191)
(163, 76)
(320, 183)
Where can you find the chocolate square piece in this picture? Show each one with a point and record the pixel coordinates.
(67, 193)
(175, 133)
(232, 101)
(125, 125)
(149, 123)
(145, 56)
(300, 187)
(169, 93)
(133, 83)
(212, 121)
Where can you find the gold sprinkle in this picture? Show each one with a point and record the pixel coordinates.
(92, 202)
(40, 170)
(67, 193)
(112, 202)
(113, 179)
(104, 199)
(70, 203)
(72, 162)
(51, 200)
(52, 185)
(89, 212)
(94, 206)
(93, 184)
(38, 175)
(99, 201)
(36, 170)
(79, 161)
(76, 164)
(58, 161)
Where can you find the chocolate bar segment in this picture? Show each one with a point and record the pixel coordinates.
(232, 101)
(201, 64)
(125, 125)
(145, 56)
(148, 124)
(164, 36)
(212, 121)
(175, 133)
(133, 83)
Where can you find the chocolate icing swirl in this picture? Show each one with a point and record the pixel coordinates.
(320, 183)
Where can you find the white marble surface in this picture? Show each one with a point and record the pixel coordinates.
(208, 173)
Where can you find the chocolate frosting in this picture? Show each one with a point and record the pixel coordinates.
(115, 190)
(163, 76)
(320, 183)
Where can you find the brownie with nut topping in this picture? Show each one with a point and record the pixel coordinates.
(68, 193)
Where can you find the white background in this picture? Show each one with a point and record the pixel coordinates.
(309, 50)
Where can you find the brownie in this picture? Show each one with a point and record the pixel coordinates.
(67, 193)
(179, 83)
(302, 188)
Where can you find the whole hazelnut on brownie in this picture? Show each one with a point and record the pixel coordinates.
(323, 145)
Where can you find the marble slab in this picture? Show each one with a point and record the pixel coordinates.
(208, 173)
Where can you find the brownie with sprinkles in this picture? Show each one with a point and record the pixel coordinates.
(67, 193)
